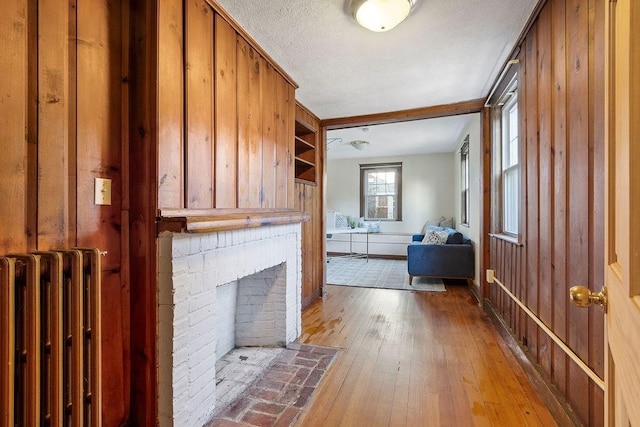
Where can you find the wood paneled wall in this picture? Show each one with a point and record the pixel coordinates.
(561, 95)
(217, 131)
(309, 198)
(225, 125)
(62, 114)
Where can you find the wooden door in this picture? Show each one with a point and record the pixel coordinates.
(622, 259)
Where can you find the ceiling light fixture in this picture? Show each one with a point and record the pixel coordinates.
(381, 15)
(359, 144)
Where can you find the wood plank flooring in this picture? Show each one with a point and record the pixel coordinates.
(415, 359)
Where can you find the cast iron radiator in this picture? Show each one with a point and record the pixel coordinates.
(50, 370)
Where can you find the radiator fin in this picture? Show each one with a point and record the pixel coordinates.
(50, 350)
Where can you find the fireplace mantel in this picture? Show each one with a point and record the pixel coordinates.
(210, 220)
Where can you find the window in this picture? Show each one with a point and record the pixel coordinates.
(510, 163)
(464, 181)
(506, 184)
(381, 191)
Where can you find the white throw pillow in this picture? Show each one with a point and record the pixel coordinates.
(446, 223)
(432, 223)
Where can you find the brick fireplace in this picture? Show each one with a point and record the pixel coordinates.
(219, 290)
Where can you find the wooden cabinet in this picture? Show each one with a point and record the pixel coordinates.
(305, 152)
(385, 245)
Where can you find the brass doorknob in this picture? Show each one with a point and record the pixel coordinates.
(582, 296)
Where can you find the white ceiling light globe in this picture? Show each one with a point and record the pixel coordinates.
(381, 15)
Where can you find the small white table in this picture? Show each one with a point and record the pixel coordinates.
(351, 232)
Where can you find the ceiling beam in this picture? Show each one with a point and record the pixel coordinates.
(465, 107)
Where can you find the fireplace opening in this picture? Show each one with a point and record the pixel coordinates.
(251, 311)
(250, 328)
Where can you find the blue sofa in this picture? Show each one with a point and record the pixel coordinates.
(454, 259)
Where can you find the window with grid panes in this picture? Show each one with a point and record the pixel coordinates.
(381, 191)
(510, 164)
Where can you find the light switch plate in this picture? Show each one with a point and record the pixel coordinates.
(102, 191)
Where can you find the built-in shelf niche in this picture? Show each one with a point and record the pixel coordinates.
(305, 152)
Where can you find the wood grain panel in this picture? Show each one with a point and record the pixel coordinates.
(143, 205)
(115, 343)
(249, 127)
(314, 284)
(597, 134)
(307, 240)
(559, 103)
(72, 178)
(290, 130)
(309, 199)
(99, 122)
(13, 122)
(485, 197)
(32, 128)
(242, 33)
(171, 106)
(545, 179)
(508, 271)
(532, 175)
(561, 74)
(226, 141)
(53, 132)
(284, 141)
(199, 104)
(579, 172)
(269, 85)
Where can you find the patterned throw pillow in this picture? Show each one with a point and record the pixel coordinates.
(342, 221)
(435, 237)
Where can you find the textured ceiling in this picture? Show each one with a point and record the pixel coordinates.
(446, 51)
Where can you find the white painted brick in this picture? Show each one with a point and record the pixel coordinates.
(203, 369)
(195, 245)
(180, 386)
(201, 315)
(180, 246)
(201, 263)
(202, 299)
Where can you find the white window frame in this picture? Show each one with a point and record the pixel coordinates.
(464, 182)
(396, 194)
(510, 163)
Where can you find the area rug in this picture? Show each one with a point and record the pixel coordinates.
(279, 395)
(378, 273)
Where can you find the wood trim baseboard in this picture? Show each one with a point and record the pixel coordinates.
(315, 295)
(548, 393)
(475, 290)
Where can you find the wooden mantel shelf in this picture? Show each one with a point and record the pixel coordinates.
(210, 220)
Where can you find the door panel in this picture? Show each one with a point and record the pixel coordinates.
(623, 203)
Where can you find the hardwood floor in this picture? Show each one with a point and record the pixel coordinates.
(415, 359)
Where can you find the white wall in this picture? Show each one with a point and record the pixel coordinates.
(427, 189)
(472, 230)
